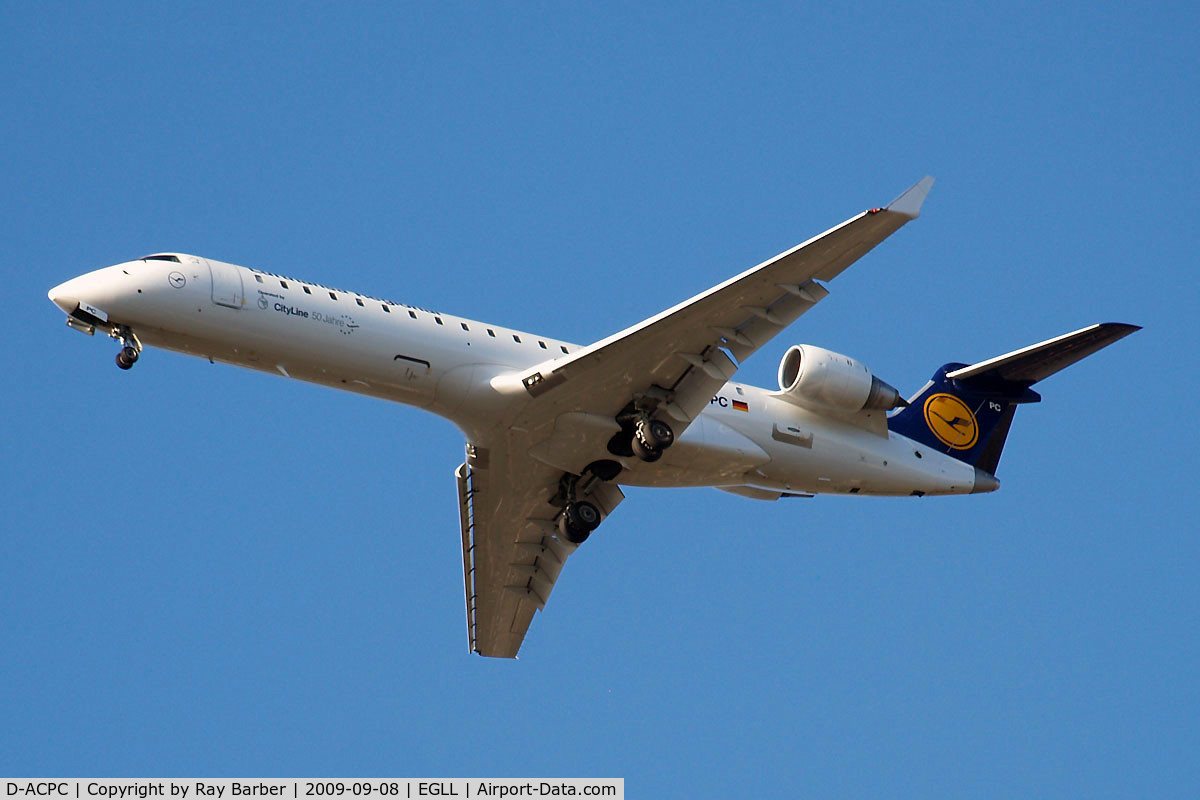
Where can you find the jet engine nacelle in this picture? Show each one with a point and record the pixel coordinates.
(818, 377)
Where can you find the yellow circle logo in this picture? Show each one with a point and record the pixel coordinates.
(951, 421)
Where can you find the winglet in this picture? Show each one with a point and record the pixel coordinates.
(909, 203)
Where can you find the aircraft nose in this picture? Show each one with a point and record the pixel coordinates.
(66, 295)
(99, 293)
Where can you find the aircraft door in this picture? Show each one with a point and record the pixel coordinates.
(226, 284)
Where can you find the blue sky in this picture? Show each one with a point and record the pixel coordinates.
(207, 571)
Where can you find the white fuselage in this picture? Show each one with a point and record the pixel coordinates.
(749, 439)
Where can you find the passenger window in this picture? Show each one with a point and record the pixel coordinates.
(283, 284)
(307, 290)
(258, 278)
(332, 296)
(464, 326)
(516, 338)
(438, 320)
(358, 300)
(542, 345)
(385, 308)
(491, 333)
(563, 349)
(412, 314)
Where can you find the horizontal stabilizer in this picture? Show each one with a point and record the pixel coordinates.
(1039, 361)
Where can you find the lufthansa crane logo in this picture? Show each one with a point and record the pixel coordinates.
(951, 421)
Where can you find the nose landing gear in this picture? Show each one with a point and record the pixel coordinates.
(126, 357)
(131, 348)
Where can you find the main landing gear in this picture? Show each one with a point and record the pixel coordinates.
(579, 517)
(644, 433)
(578, 520)
(643, 436)
(650, 438)
(131, 348)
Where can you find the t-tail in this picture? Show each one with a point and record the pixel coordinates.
(966, 411)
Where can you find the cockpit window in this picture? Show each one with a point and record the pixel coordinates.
(162, 257)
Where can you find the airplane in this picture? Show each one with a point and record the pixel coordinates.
(554, 429)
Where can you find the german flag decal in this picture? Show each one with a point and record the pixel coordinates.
(738, 405)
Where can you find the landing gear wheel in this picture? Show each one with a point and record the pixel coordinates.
(655, 433)
(127, 357)
(647, 454)
(583, 514)
(572, 534)
(578, 520)
(131, 348)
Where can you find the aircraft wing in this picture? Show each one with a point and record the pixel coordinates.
(687, 353)
(509, 488)
(512, 552)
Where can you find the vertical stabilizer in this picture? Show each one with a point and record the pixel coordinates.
(967, 411)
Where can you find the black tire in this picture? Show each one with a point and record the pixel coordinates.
(571, 533)
(130, 353)
(647, 454)
(122, 362)
(656, 434)
(583, 515)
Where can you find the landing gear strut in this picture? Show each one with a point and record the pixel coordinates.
(131, 348)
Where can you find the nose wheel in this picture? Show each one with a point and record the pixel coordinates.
(127, 357)
(131, 348)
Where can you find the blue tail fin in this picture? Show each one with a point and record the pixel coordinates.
(966, 411)
(962, 419)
